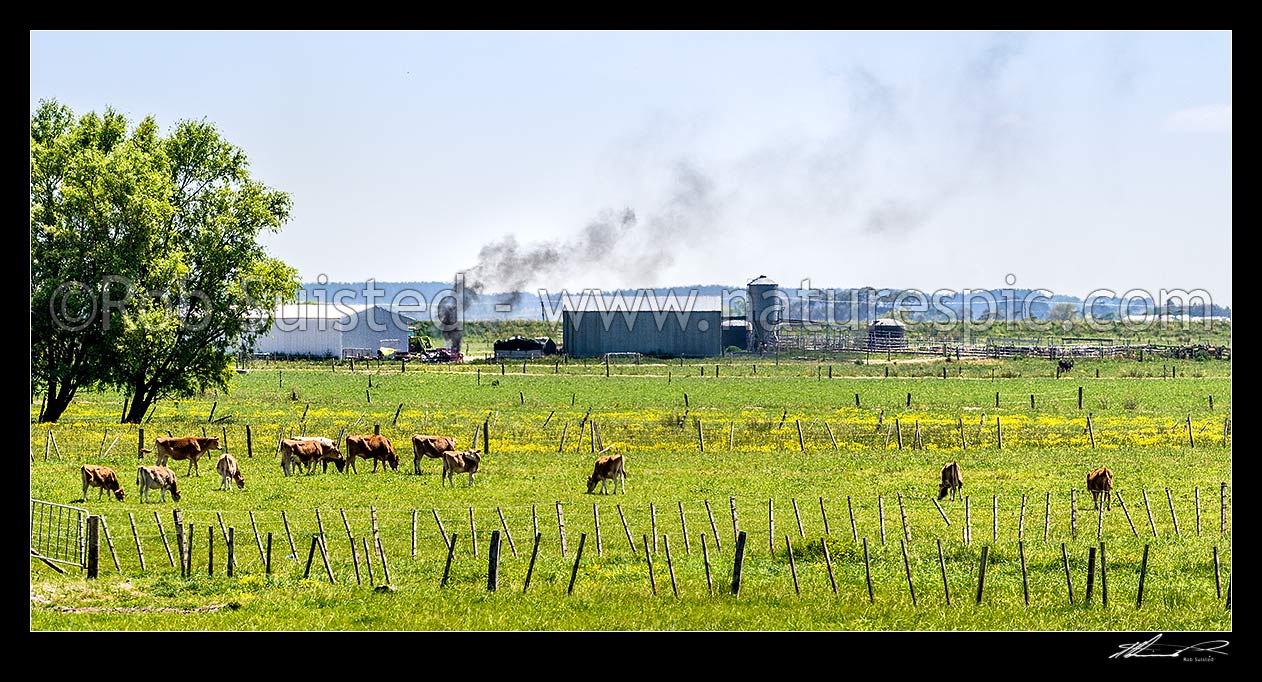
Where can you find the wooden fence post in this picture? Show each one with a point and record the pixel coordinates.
(94, 546)
(368, 560)
(867, 567)
(854, 529)
(670, 565)
(1047, 517)
(1104, 578)
(1073, 514)
(232, 551)
(1148, 508)
(792, 565)
(683, 524)
(1126, 512)
(911, 587)
(441, 531)
(257, 539)
(561, 527)
(1025, 578)
(771, 526)
(162, 534)
(705, 555)
(315, 540)
(880, 508)
(1090, 574)
(473, 533)
(493, 562)
(1222, 522)
(625, 528)
(136, 536)
(110, 542)
(828, 562)
(503, 522)
(1143, 573)
(738, 561)
(902, 512)
(451, 551)
(1197, 493)
(735, 528)
(1218, 577)
(1069, 581)
(968, 521)
(994, 517)
(648, 556)
(653, 524)
(940, 510)
(946, 589)
(1173, 518)
(533, 554)
(981, 573)
(293, 550)
(713, 527)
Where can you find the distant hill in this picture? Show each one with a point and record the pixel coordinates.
(862, 303)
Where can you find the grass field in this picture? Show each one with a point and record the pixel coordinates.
(752, 455)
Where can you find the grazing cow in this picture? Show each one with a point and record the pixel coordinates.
(1100, 482)
(308, 451)
(1065, 365)
(430, 446)
(459, 463)
(158, 477)
(229, 471)
(94, 476)
(608, 467)
(951, 481)
(190, 448)
(376, 446)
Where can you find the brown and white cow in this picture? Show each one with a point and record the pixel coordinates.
(952, 481)
(460, 463)
(229, 471)
(159, 477)
(307, 452)
(376, 447)
(608, 467)
(1100, 482)
(429, 446)
(94, 476)
(190, 448)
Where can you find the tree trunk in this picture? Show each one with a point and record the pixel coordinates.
(140, 405)
(59, 397)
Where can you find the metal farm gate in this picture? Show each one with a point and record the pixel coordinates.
(59, 533)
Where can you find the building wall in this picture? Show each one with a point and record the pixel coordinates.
(359, 330)
(301, 337)
(588, 335)
(326, 337)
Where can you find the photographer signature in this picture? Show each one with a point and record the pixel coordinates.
(1151, 649)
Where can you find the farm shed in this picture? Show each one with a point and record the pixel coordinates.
(887, 333)
(330, 330)
(662, 326)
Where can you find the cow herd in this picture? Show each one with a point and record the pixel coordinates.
(1099, 483)
(307, 452)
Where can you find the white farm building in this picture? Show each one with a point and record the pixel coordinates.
(334, 330)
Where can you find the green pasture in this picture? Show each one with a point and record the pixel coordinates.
(753, 458)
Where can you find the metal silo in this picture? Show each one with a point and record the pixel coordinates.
(766, 307)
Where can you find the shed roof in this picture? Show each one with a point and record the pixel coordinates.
(645, 302)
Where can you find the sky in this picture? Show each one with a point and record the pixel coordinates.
(1070, 161)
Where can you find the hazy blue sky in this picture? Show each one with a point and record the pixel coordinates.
(1074, 161)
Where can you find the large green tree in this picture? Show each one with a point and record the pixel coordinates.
(146, 261)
